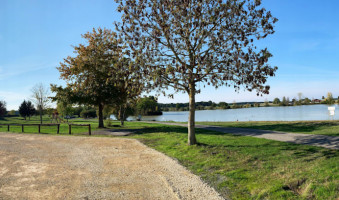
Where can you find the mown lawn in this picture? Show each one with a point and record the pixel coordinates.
(243, 167)
(330, 128)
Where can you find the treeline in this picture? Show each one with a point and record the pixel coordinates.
(209, 105)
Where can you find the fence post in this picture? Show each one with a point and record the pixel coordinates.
(58, 129)
(70, 129)
(22, 128)
(8, 127)
(39, 127)
(89, 129)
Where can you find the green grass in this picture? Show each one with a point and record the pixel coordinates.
(251, 168)
(76, 130)
(330, 128)
(241, 167)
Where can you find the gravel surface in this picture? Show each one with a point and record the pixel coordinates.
(66, 167)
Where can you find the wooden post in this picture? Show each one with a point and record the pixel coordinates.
(39, 127)
(70, 129)
(22, 128)
(58, 129)
(89, 129)
(8, 127)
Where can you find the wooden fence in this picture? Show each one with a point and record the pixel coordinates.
(39, 127)
(70, 128)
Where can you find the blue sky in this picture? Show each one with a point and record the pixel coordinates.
(36, 35)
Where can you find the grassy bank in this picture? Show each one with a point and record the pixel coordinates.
(241, 167)
(330, 128)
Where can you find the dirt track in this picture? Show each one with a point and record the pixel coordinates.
(62, 167)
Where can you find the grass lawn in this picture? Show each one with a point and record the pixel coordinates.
(251, 168)
(243, 167)
(330, 128)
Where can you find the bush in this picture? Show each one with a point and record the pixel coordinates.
(108, 122)
(88, 113)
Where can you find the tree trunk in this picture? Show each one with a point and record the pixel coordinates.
(191, 118)
(40, 115)
(121, 116)
(101, 118)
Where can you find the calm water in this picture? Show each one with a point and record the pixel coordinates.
(291, 113)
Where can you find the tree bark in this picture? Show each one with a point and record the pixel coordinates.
(40, 111)
(121, 116)
(191, 118)
(101, 118)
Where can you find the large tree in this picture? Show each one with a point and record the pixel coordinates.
(99, 74)
(26, 109)
(212, 42)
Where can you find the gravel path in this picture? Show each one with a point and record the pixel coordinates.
(330, 142)
(66, 167)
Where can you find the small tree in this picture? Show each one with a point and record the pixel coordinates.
(183, 43)
(276, 101)
(3, 109)
(65, 109)
(23, 109)
(40, 98)
(329, 99)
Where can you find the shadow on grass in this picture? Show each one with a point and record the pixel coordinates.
(298, 127)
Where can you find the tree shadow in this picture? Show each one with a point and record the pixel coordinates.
(298, 127)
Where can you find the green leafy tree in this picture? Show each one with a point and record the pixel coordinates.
(100, 74)
(147, 105)
(26, 109)
(182, 43)
(65, 109)
(276, 101)
(87, 73)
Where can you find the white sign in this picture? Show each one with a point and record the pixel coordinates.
(331, 110)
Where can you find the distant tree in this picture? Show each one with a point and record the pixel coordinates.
(23, 109)
(329, 99)
(148, 105)
(276, 101)
(26, 109)
(284, 101)
(182, 43)
(12, 112)
(40, 96)
(65, 109)
(223, 105)
(3, 109)
(50, 111)
(266, 103)
(306, 101)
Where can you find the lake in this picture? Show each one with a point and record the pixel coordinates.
(289, 113)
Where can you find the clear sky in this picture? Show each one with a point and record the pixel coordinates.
(36, 35)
